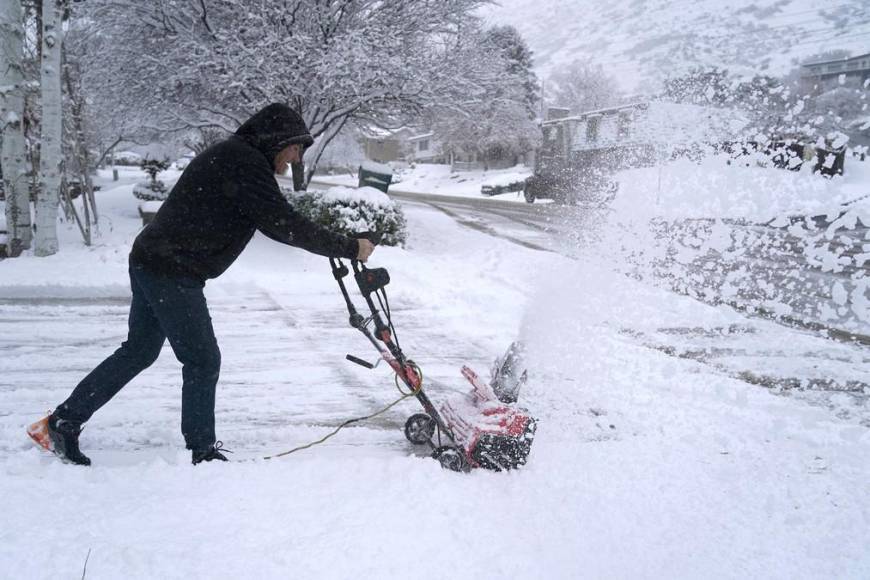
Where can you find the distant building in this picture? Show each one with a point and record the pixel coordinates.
(426, 148)
(828, 72)
(383, 146)
(580, 153)
(429, 147)
(648, 128)
(414, 146)
(405, 144)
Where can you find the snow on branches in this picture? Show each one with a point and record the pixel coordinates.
(188, 64)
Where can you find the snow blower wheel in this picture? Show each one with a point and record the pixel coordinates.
(419, 428)
(450, 458)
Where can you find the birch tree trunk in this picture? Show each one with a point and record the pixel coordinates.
(51, 153)
(13, 157)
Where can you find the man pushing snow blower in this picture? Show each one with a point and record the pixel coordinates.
(224, 195)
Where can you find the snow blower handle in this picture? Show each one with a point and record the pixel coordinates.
(370, 281)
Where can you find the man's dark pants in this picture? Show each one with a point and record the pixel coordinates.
(162, 307)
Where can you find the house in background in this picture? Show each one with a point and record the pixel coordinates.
(827, 73)
(430, 148)
(426, 148)
(405, 144)
(413, 146)
(383, 145)
(581, 153)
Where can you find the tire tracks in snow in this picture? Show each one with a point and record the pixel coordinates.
(485, 229)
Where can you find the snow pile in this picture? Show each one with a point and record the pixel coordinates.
(380, 168)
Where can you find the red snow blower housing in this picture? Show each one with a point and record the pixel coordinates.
(481, 428)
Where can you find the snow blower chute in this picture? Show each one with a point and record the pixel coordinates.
(482, 428)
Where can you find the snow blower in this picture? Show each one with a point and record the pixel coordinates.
(482, 428)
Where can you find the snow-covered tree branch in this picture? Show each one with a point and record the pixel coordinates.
(215, 62)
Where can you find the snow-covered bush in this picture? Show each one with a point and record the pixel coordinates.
(350, 211)
(154, 190)
(148, 191)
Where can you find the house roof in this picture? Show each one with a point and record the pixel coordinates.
(659, 122)
(836, 60)
(374, 132)
(596, 113)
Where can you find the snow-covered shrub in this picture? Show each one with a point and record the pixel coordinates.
(151, 191)
(154, 190)
(350, 211)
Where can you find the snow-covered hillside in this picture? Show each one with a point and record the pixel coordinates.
(643, 41)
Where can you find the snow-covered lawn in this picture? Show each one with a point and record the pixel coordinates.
(646, 465)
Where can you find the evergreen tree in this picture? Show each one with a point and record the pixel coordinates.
(518, 61)
(496, 117)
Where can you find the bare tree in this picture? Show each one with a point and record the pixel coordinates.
(582, 86)
(13, 156)
(78, 162)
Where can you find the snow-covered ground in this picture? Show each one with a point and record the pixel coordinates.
(649, 462)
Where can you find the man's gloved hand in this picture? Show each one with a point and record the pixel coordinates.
(365, 249)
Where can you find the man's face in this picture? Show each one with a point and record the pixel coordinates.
(288, 155)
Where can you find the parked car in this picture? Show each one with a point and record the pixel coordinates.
(127, 158)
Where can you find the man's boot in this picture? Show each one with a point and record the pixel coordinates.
(210, 453)
(59, 436)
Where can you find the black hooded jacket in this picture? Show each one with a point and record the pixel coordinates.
(227, 193)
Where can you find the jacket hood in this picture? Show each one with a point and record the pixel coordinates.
(273, 128)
